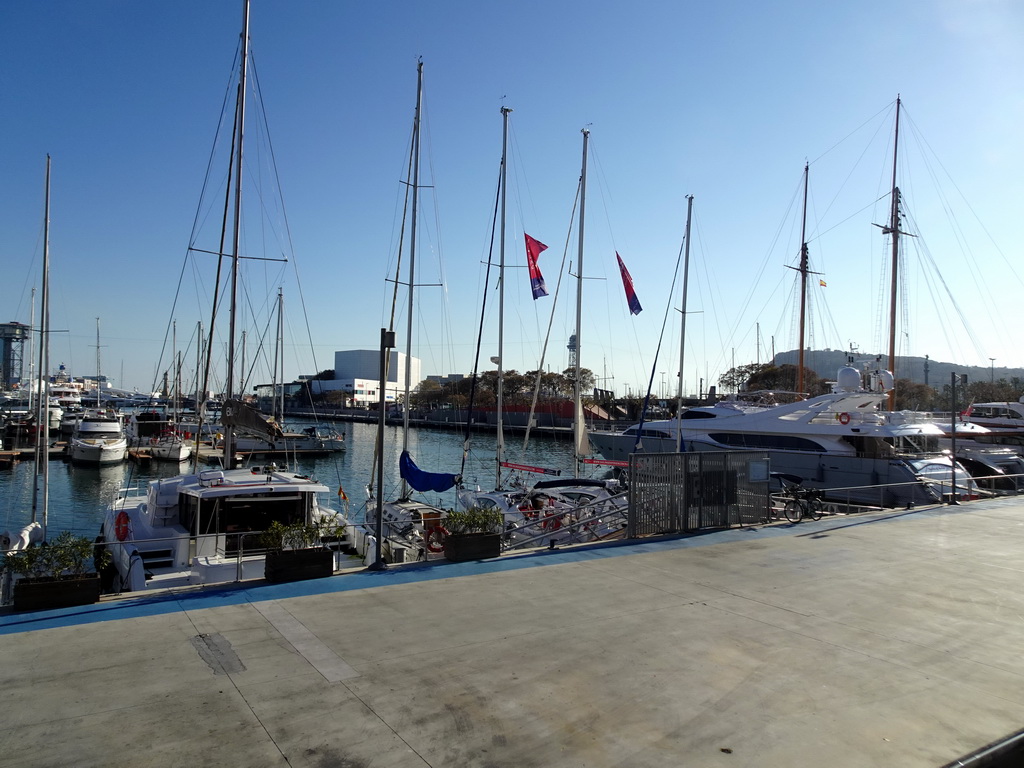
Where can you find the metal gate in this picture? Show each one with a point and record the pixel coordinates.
(686, 492)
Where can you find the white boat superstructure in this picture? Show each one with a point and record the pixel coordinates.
(314, 439)
(1005, 422)
(202, 528)
(841, 440)
(98, 439)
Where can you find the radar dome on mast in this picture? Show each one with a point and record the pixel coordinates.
(848, 379)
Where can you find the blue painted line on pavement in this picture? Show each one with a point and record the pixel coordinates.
(221, 596)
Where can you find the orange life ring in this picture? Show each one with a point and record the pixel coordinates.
(435, 538)
(121, 525)
(844, 418)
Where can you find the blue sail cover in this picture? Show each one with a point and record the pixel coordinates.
(424, 481)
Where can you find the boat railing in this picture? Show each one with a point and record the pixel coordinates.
(604, 509)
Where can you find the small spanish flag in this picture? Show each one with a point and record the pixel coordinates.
(341, 494)
(822, 283)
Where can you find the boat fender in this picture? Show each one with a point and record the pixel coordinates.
(844, 418)
(121, 525)
(435, 538)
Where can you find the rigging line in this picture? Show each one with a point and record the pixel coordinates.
(849, 175)
(199, 206)
(551, 319)
(886, 110)
(480, 332)
(977, 218)
(638, 446)
(930, 261)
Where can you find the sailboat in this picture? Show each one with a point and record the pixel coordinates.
(99, 437)
(35, 532)
(405, 524)
(169, 444)
(204, 527)
(563, 509)
(314, 440)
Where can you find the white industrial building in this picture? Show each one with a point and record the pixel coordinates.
(358, 371)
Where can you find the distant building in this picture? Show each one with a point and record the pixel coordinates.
(358, 371)
(451, 378)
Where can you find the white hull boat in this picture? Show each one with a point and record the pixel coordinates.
(98, 439)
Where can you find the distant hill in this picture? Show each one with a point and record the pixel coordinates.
(825, 363)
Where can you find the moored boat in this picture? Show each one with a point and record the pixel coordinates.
(98, 438)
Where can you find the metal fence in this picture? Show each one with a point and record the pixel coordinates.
(686, 492)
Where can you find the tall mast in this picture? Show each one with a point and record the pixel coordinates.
(31, 345)
(682, 325)
(579, 434)
(412, 263)
(894, 230)
(42, 454)
(98, 403)
(500, 453)
(803, 287)
(176, 365)
(279, 353)
(229, 431)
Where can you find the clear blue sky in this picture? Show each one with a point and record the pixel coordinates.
(724, 101)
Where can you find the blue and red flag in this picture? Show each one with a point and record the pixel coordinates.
(534, 248)
(627, 283)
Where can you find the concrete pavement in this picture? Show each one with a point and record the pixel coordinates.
(875, 640)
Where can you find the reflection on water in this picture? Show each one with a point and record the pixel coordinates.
(79, 494)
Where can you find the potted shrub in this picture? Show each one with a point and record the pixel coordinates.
(298, 551)
(57, 574)
(472, 534)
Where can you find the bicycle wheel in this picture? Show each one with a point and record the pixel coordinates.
(794, 511)
(814, 509)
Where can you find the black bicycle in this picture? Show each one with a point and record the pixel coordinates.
(802, 502)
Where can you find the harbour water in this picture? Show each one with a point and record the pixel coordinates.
(79, 494)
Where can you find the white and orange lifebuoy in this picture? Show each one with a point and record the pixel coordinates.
(435, 538)
(844, 418)
(121, 525)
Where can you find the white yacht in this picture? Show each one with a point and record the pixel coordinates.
(842, 441)
(1005, 422)
(98, 439)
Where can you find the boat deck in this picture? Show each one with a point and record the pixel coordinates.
(878, 639)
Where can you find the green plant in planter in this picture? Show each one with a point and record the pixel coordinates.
(473, 520)
(58, 574)
(68, 556)
(473, 534)
(279, 536)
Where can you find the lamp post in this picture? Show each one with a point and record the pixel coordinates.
(387, 342)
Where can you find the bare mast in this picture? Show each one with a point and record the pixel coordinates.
(41, 488)
(229, 430)
(894, 230)
(412, 265)
(682, 326)
(803, 287)
(580, 436)
(500, 453)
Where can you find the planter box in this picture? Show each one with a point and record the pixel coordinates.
(298, 564)
(459, 547)
(39, 594)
